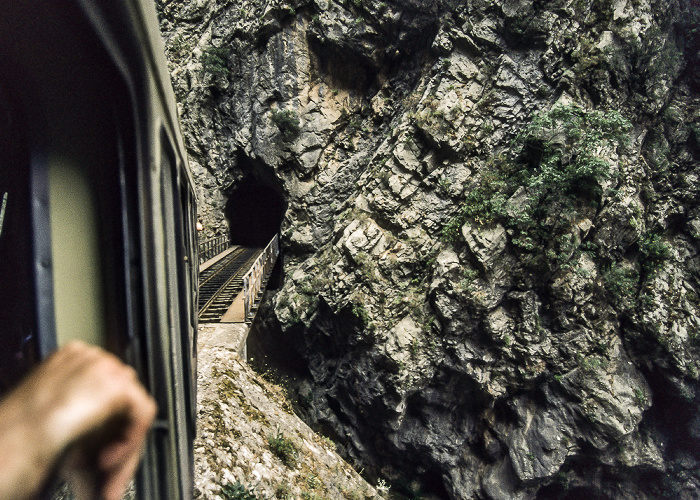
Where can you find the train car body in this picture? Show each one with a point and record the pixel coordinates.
(97, 209)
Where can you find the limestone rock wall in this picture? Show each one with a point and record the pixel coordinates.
(490, 248)
(249, 442)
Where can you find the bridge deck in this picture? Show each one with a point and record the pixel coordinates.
(222, 280)
(232, 283)
(206, 265)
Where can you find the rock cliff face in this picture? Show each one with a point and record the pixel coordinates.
(490, 229)
(249, 442)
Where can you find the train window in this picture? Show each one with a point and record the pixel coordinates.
(18, 343)
(87, 244)
(77, 278)
(87, 206)
(62, 249)
(188, 293)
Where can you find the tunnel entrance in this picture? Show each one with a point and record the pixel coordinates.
(254, 212)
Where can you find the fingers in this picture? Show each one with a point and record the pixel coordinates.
(93, 387)
(102, 415)
(137, 423)
(84, 407)
(120, 460)
(119, 479)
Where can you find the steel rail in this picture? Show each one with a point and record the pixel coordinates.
(219, 267)
(227, 285)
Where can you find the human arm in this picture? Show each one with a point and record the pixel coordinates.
(81, 411)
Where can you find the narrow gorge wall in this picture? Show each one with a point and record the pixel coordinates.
(490, 231)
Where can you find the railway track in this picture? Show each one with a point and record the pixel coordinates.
(219, 284)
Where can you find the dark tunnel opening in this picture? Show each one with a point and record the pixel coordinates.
(254, 212)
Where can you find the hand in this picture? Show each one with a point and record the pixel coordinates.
(82, 411)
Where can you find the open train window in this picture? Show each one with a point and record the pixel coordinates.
(18, 342)
(87, 218)
(67, 168)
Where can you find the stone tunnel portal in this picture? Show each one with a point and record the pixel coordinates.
(254, 212)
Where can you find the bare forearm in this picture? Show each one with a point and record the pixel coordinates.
(83, 407)
(24, 466)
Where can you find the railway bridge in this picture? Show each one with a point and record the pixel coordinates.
(232, 280)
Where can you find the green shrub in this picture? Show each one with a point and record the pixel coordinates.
(214, 61)
(558, 159)
(312, 481)
(284, 448)
(622, 284)
(361, 313)
(653, 252)
(556, 166)
(561, 148)
(452, 230)
(287, 122)
(237, 491)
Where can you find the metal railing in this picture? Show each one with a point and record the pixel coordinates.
(213, 247)
(256, 278)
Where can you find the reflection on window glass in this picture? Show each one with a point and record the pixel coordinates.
(17, 321)
(3, 207)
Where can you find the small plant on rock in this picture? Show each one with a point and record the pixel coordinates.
(284, 448)
(214, 61)
(622, 284)
(284, 492)
(361, 313)
(654, 252)
(287, 122)
(641, 398)
(237, 491)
